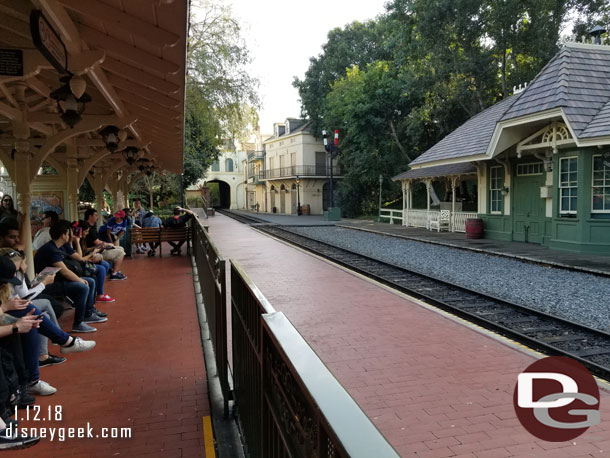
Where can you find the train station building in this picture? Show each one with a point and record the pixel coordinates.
(537, 163)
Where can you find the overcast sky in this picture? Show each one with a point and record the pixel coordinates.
(282, 36)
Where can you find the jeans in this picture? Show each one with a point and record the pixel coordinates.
(31, 340)
(101, 270)
(82, 295)
(44, 305)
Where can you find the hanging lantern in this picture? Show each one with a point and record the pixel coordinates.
(110, 135)
(69, 105)
(130, 154)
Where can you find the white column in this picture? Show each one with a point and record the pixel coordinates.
(98, 188)
(72, 191)
(453, 181)
(428, 184)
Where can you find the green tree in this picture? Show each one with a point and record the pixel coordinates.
(221, 96)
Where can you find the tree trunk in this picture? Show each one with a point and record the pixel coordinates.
(504, 89)
(397, 141)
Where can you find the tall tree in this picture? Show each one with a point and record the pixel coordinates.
(220, 93)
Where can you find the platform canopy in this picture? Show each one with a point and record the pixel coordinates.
(131, 55)
(95, 90)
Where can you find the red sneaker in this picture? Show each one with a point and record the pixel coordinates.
(104, 298)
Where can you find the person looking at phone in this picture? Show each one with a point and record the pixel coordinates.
(79, 233)
(114, 254)
(49, 328)
(42, 236)
(80, 290)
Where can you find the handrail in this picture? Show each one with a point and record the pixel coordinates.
(288, 402)
(301, 171)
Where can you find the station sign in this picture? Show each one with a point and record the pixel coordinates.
(11, 62)
(48, 41)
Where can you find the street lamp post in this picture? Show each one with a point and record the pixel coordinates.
(380, 185)
(299, 209)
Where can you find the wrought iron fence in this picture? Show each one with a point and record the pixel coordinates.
(211, 272)
(288, 403)
(301, 171)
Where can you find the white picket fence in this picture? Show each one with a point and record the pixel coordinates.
(421, 218)
(392, 215)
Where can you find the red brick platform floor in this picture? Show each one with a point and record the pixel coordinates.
(146, 372)
(433, 386)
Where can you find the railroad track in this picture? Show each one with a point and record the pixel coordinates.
(546, 333)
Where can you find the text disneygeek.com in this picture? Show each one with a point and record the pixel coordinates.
(61, 433)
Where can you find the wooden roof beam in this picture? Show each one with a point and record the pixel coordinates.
(138, 76)
(123, 21)
(127, 51)
(149, 94)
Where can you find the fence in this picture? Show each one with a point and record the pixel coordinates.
(211, 272)
(421, 218)
(458, 220)
(391, 215)
(287, 401)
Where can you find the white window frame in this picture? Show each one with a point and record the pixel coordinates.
(606, 184)
(498, 190)
(568, 186)
(529, 169)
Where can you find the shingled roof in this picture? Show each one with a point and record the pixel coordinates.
(576, 80)
(462, 168)
(471, 138)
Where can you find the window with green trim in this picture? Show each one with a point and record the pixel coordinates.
(568, 185)
(496, 182)
(600, 192)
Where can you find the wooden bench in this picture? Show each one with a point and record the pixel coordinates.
(160, 235)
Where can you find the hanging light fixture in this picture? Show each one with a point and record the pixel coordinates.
(130, 154)
(110, 135)
(142, 164)
(70, 105)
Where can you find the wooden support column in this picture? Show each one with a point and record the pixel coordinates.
(72, 182)
(24, 198)
(98, 188)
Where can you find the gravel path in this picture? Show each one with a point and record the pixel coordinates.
(576, 296)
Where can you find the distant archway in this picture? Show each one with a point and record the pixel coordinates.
(221, 198)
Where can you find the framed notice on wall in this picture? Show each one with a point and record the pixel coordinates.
(42, 202)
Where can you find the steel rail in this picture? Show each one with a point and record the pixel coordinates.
(589, 346)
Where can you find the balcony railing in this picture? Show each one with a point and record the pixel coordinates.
(255, 156)
(301, 171)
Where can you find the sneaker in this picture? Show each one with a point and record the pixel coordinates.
(10, 439)
(98, 313)
(93, 318)
(23, 399)
(104, 298)
(41, 388)
(118, 276)
(83, 327)
(51, 360)
(79, 345)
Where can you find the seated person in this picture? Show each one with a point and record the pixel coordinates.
(80, 290)
(150, 220)
(42, 236)
(180, 218)
(9, 234)
(68, 343)
(12, 371)
(114, 254)
(80, 230)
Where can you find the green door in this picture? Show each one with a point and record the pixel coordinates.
(528, 209)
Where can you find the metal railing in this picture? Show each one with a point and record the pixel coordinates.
(288, 402)
(211, 272)
(301, 171)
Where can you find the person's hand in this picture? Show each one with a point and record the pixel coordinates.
(107, 244)
(48, 279)
(96, 257)
(84, 282)
(15, 304)
(27, 322)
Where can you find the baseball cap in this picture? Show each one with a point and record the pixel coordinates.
(7, 271)
(119, 214)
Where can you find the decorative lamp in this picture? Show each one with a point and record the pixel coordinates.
(69, 105)
(130, 154)
(110, 135)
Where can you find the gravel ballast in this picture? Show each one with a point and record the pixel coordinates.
(576, 296)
